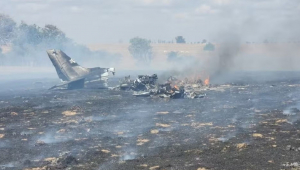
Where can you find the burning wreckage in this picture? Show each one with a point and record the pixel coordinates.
(146, 85)
(75, 76)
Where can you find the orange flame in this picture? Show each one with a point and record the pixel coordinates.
(176, 87)
(206, 82)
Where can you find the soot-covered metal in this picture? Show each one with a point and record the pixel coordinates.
(75, 76)
(146, 85)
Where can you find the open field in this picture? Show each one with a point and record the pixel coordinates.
(246, 57)
(244, 125)
(270, 56)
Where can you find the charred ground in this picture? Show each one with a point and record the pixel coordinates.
(242, 125)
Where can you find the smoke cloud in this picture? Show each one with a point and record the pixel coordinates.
(27, 44)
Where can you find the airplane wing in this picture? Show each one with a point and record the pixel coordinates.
(74, 84)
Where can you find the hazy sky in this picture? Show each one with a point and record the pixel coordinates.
(109, 21)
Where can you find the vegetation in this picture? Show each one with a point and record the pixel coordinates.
(29, 43)
(141, 50)
(180, 59)
(173, 56)
(180, 40)
(7, 28)
(209, 47)
(266, 41)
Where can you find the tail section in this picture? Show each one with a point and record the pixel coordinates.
(67, 69)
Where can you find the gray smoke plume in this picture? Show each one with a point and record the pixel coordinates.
(227, 52)
(28, 45)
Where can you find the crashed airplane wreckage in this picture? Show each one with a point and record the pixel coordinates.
(75, 76)
(146, 85)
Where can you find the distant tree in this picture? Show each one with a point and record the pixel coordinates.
(204, 41)
(172, 56)
(181, 59)
(180, 40)
(7, 28)
(28, 44)
(209, 47)
(266, 41)
(141, 50)
(28, 35)
(52, 34)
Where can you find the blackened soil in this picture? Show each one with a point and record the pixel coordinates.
(234, 127)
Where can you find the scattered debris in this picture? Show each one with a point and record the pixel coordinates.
(141, 94)
(142, 83)
(146, 85)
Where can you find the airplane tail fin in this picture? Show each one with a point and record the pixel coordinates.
(66, 68)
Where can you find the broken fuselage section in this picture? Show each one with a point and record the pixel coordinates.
(146, 85)
(74, 76)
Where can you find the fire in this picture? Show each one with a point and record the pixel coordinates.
(193, 78)
(206, 82)
(176, 87)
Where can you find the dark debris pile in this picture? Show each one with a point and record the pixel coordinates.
(146, 85)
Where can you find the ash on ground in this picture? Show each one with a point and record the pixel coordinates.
(236, 126)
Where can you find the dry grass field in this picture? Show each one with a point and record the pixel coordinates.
(272, 56)
(160, 52)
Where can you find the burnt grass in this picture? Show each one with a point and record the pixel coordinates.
(237, 126)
